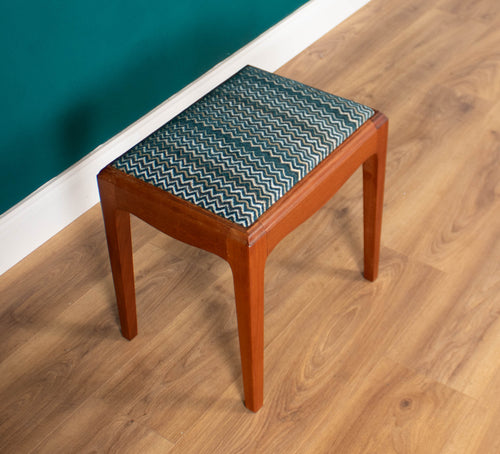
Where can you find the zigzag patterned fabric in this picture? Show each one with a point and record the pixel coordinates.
(239, 149)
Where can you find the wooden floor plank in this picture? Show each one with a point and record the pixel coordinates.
(479, 432)
(459, 341)
(425, 43)
(482, 10)
(97, 421)
(395, 410)
(461, 196)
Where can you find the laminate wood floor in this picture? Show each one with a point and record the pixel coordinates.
(408, 364)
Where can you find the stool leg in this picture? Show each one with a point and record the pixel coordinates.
(373, 199)
(118, 235)
(248, 276)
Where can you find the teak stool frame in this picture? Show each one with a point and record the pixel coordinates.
(246, 249)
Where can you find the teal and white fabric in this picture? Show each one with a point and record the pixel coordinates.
(240, 148)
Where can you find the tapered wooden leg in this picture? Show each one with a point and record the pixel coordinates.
(118, 234)
(373, 199)
(248, 274)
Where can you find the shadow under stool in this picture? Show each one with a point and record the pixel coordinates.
(234, 174)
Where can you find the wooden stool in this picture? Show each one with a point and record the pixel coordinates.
(234, 174)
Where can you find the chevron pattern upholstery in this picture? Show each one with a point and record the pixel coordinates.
(240, 148)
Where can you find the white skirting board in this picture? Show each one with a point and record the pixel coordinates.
(60, 201)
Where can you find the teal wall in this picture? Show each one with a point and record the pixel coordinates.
(74, 73)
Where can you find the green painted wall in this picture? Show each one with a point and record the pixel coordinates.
(74, 73)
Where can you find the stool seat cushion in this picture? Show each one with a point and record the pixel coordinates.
(239, 149)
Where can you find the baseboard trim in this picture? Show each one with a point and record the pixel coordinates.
(33, 221)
